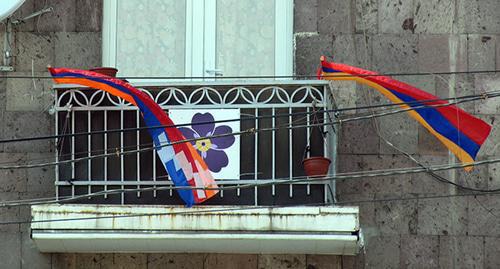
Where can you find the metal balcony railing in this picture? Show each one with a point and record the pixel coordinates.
(265, 157)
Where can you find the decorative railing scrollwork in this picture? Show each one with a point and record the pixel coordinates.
(293, 95)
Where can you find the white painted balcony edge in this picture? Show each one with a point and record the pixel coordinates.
(214, 229)
(224, 82)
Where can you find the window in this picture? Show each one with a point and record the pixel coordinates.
(195, 38)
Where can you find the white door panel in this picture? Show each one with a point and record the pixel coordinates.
(246, 37)
(145, 47)
(198, 38)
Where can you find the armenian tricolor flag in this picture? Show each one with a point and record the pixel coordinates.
(183, 164)
(462, 133)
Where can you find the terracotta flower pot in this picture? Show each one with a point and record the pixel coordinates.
(316, 166)
(108, 71)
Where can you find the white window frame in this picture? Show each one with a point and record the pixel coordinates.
(201, 58)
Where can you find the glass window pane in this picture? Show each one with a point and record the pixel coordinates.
(151, 37)
(245, 37)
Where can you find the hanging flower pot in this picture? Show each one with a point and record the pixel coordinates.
(108, 71)
(316, 166)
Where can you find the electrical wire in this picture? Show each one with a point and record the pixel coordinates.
(234, 186)
(342, 176)
(346, 175)
(434, 175)
(287, 180)
(315, 76)
(247, 131)
(119, 150)
(479, 97)
(62, 156)
(187, 212)
(440, 178)
(489, 95)
(241, 208)
(424, 101)
(437, 177)
(246, 118)
(409, 198)
(120, 153)
(422, 104)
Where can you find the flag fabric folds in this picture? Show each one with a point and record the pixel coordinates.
(462, 133)
(184, 165)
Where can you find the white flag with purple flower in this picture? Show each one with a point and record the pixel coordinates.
(221, 153)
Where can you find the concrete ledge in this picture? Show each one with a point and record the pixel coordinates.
(258, 243)
(217, 229)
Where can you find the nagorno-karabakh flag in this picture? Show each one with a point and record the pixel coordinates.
(184, 165)
(462, 133)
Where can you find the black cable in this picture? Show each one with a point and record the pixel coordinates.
(63, 156)
(248, 118)
(315, 76)
(352, 175)
(234, 186)
(483, 95)
(251, 130)
(442, 179)
(281, 181)
(415, 198)
(447, 181)
(241, 208)
(331, 124)
(188, 212)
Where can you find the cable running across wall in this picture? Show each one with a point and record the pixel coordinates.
(396, 104)
(242, 208)
(477, 97)
(247, 131)
(462, 99)
(314, 76)
(286, 180)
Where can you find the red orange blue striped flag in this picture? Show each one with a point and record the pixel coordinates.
(184, 165)
(462, 133)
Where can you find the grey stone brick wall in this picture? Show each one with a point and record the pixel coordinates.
(382, 35)
(64, 37)
(412, 36)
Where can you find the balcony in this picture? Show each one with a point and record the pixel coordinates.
(105, 171)
(220, 229)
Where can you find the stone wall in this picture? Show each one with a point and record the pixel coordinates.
(71, 36)
(412, 36)
(64, 37)
(408, 36)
